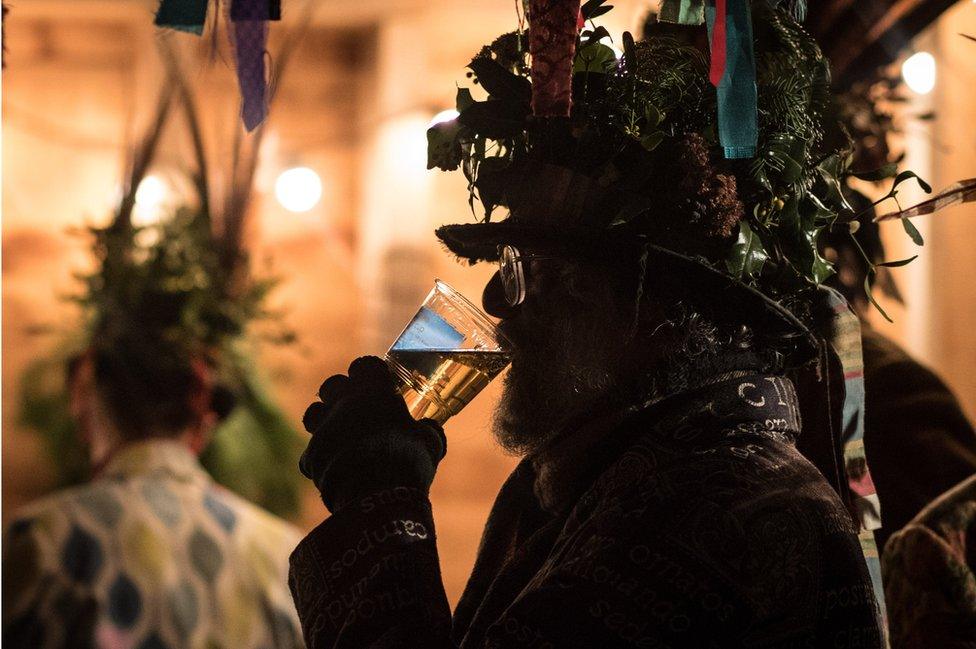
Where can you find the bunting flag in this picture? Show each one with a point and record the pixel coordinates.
(732, 66)
(735, 66)
(184, 15)
(249, 31)
(717, 42)
(250, 19)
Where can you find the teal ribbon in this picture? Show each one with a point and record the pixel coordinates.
(184, 15)
(738, 128)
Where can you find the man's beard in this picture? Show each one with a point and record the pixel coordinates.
(566, 362)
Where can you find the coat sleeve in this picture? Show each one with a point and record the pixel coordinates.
(368, 576)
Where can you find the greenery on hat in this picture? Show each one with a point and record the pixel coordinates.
(630, 116)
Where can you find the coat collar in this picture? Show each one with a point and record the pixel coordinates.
(154, 457)
(689, 422)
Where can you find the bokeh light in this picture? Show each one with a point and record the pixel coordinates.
(151, 197)
(298, 189)
(918, 70)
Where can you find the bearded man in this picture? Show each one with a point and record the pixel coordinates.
(661, 501)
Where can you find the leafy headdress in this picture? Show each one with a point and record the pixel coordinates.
(701, 163)
(167, 312)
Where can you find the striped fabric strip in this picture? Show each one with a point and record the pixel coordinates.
(844, 333)
(738, 111)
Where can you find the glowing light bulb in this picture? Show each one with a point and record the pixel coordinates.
(151, 192)
(918, 71)
(298, 189)
(150, 198)
(443, 116)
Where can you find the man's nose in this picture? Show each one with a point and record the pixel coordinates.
(493, 299)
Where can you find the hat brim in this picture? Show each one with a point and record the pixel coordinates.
(476, 242)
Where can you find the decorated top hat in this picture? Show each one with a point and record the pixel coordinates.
(699, 148)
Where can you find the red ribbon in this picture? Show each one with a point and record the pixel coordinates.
(717, 70)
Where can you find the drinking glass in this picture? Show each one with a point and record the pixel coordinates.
(446, 355)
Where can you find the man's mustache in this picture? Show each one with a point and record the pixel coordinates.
(513, 335)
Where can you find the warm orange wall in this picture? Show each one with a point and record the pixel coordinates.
(75, 84)
(75, 90)
(938, 323)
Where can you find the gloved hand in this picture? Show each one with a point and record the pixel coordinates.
(364, 439)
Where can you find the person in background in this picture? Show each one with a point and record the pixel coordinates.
(151, 554)
(929, 572)
(916, 435)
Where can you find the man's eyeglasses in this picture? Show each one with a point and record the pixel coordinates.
(512, 271)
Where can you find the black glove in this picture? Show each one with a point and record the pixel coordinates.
(364, 439)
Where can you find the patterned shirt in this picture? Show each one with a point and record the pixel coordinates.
(151, 555)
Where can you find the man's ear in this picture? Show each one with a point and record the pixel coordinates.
(493, 299)
(82, 395)
(198, 436)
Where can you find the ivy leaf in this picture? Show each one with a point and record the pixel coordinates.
(875, 175)
(913, 231)
(867, 292)
(653, 115)
(905, 175)
(463, 99)
(828, 183)
(495, 119)
(821, 270)
(444, 146)
(590, 6)
(813, 207)
(599, 11)
(595, 57)
(799, 238)
(896, 264)
(651, 140)
(792, 169)
(782, 154)
(630, 51)
(748, 255)
(631, 210)
(492, 182)
(499, 82)
(595, 36)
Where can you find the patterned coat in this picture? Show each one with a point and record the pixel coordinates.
(693, 522)
(151, 555)
(930, 574)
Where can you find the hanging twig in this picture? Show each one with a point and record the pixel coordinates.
(963, 191)
(244, 159)
(175, 70)
(141, 159)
